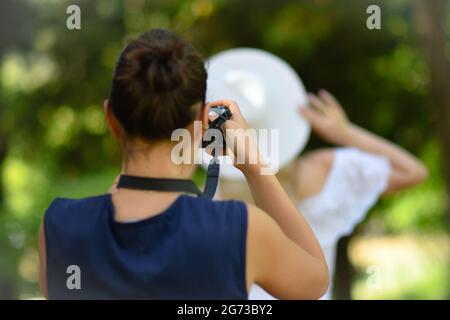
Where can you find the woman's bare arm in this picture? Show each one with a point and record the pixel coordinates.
(406, 170)
(284, 255)
(328, 120)
(270, 196)
(280, 265)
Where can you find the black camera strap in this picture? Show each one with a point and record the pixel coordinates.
(174, 185)
(212, 178)
(158, 184)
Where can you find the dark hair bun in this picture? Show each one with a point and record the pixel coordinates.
(159, 63)
(158, 78)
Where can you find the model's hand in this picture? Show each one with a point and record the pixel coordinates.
(327, 117)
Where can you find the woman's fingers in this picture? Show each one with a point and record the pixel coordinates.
(316, 102)
(328, 98)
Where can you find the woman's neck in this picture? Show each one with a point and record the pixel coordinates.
(153, 161)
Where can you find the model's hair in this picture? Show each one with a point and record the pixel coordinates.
(158, 79)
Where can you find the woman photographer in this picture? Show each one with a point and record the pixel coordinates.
(136, 244)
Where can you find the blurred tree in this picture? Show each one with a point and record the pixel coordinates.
(430, 22)
(12, 13)
(15, 33)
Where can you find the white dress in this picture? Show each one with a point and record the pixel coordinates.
(354, 184)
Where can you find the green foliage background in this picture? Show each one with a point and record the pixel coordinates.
(53, 82)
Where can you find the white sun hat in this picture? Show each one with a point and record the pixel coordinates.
(269, 93)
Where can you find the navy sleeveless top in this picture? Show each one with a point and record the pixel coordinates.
(195, 249)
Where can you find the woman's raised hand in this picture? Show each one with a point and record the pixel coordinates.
(327, 117)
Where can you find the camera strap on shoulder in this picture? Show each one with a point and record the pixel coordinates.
(157, 184)
(174, 185)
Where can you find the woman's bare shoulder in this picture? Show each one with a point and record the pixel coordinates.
(311, 171)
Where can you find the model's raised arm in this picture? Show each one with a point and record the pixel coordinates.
(328, 120)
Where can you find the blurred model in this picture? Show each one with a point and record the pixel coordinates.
(335, 187)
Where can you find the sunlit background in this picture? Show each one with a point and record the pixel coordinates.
(53, 139)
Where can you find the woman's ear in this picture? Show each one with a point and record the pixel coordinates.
(114, 126)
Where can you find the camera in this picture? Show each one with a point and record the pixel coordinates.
(223, 114)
